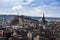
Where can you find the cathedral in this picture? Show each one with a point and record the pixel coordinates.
(44, 21)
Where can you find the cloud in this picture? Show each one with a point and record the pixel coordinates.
(26, 2)
(37, 11)
(51, 8)
(17, 7)
(8, 0)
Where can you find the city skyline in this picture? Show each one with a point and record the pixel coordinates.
(51, 8)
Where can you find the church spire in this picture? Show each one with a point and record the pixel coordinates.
(43, 18)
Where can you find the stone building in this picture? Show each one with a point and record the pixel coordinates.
(24, 20)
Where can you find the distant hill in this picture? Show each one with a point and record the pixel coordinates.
(8, 17)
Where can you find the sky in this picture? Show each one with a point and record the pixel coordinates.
(51, 8)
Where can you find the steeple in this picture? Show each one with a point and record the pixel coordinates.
(43, 20)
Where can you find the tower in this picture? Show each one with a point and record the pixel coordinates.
(43, 18)
(44, 22)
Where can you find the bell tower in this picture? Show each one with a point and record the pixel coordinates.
(44, 22)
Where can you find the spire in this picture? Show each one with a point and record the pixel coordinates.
(43, 18)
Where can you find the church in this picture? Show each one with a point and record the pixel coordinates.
(44, 21)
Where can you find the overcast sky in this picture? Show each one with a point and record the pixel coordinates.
(51, 8)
